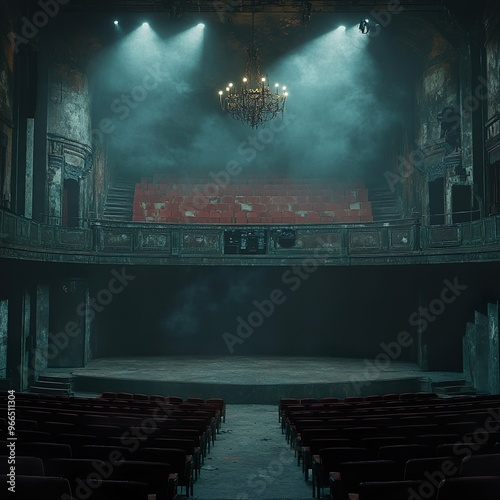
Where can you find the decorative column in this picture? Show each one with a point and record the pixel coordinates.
(54, 183)
(40, 356)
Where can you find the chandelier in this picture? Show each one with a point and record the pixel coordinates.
(253, 103)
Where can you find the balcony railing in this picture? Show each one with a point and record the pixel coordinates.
(329, 244)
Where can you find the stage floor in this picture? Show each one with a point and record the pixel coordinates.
(251, 379)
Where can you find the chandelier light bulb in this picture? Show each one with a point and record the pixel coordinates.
(230, 85)
(227, 89)
(244, 80)
(220, 92)
(263, 79)
(284, 87)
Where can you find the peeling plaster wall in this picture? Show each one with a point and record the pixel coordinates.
(101, 177)
(422, 149)
(492, 63)
(69, 104)
(445, 84)
(493, 68)
(493, 353)
(41, 330)
(492, 46)
(6, 70)
(481, 365)
(6, 101)
(69, 124)
(438, 89)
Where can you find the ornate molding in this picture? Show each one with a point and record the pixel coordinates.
(74, 158)
(437, 161)
(493, 138)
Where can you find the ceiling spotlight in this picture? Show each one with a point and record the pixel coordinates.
(342, 28)
(115, 22)
(145, 25)
(200, 25)
(364, 26)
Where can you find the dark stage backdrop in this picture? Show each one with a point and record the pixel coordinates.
(285, 312)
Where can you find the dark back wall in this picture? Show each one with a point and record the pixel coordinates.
(333, 311)
(323, 312)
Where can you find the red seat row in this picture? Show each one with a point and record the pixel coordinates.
(263, 200)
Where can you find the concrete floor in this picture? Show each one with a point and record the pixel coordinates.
(251, 460)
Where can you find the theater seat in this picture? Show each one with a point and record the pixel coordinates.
(328, 460)
(481, 465)
(470, 488)
(424, 468)
(352, 474)
(116, 490)
(402, 453)
(27, 466)
(388, 490)
(45, 450)
(38, 487)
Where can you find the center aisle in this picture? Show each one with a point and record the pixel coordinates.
(251, 460)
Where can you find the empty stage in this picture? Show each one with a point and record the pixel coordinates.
(251, 379)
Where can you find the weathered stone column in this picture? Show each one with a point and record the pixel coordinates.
(39, 361)
(4, 320)
(54, 183)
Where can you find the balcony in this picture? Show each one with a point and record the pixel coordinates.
(373, 243)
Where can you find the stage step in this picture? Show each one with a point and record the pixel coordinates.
(47, 384)
(453, 388)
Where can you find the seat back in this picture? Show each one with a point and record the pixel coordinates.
(176, 458)
(115, 490)
(331, 458)
(434, 440)
(401, 453)
(156, 475)
(33, 436)
(461, 449)
(433, 468)
(33, 487)
(481, 465)
(404, 452)
(188, 445)
(44, 450)
(111, 454)
(28, 466)
(469, 488)
(352, 474)
(318, 444)
(373, 444)
(389, 490)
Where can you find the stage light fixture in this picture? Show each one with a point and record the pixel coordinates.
(364, 26)
(115, 22)
(145, 24)
(342, 28)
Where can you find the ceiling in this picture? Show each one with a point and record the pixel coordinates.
(461, 7)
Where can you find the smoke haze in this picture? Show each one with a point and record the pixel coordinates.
(160, 93)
